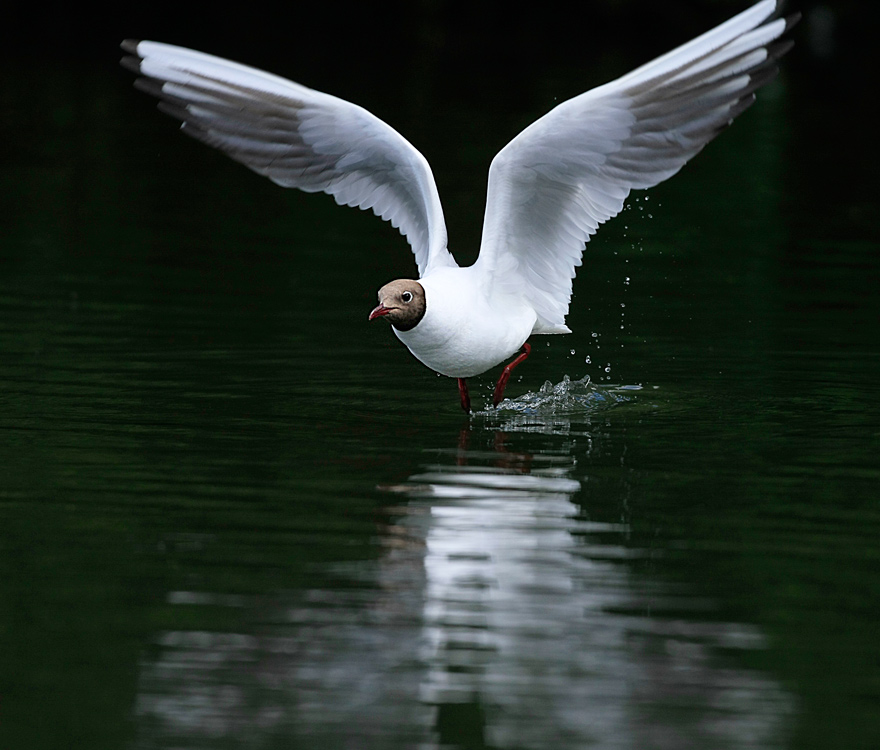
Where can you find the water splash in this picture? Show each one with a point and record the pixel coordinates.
(569, 396)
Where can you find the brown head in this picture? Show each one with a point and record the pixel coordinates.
(402, 302)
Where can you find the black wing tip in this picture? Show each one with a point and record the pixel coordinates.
(776, 50)
(791, 20)
(173, 109)
(781, 44)
(131, 61)
(149, 86)
(132, 64)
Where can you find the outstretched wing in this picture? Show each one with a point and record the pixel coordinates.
(298, 137)
(571, 170)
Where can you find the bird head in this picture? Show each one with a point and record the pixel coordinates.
(402, 303)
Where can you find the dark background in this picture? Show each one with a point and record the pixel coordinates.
(481, 38)
(398, 59)
(379, 54)
(471, 48)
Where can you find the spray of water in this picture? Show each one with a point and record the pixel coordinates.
(569, 396)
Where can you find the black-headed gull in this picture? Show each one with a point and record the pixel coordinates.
(549, 188)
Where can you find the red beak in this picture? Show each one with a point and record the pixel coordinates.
(379, 312)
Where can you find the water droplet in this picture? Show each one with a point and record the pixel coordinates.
(587, 360)
(607, 368)
(572, 352)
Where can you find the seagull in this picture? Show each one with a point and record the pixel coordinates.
(549, 188)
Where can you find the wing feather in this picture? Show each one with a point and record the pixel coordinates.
(298, 137)
(570, 171)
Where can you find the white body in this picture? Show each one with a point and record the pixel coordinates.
(549, 189)
(466, 331)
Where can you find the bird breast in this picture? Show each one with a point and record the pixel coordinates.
(464, 332)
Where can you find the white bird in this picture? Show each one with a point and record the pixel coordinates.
(549, 188)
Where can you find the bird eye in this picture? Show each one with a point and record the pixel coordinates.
(406, 296)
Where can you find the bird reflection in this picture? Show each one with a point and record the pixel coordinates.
(497, 613)
(533, 622)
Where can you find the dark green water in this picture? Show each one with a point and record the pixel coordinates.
(235, 514)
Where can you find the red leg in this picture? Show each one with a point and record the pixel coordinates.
(505, 375)
(465, 396)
